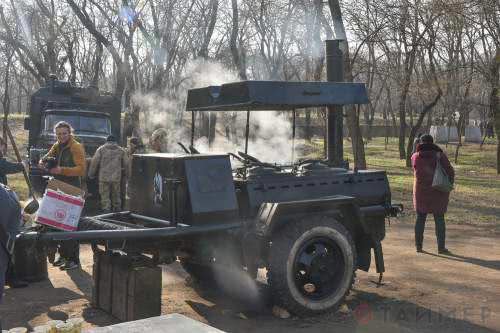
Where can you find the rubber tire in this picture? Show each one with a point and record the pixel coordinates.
(285, 244)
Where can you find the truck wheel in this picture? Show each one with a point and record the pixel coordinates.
(312, 265)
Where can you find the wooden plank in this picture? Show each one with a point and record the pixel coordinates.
(105, 282)
(95, 279)
(121, 271)
(144, 293)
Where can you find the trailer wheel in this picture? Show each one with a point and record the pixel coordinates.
(312, 264)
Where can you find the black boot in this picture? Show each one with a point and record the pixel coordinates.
(16, 283)
(444, 251)
(441, 234)
(419, 231)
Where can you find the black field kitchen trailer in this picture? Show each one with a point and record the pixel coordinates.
(310, 224)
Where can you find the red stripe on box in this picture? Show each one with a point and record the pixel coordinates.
(55, 224)
(64, 198)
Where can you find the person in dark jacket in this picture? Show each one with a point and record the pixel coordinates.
(427, 200)
(10, 221)
(7, 167)
(70, 158)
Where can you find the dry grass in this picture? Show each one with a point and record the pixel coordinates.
(476, 198)
(16, 182)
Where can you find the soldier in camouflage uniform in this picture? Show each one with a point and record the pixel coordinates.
(158, 141)
(112, 162)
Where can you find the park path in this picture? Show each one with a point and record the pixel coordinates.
(423, 293)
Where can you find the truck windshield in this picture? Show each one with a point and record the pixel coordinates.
(80, 123)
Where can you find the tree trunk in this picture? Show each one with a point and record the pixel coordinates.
(121, 68)
(416, 128)
(402, 113)
(307, 126)
(235, 52)
(203, 52)
(6, 96)
(209, 119)
(495, 101)
(460, 128)
(96, 68)
(351, 113)
(495, 109)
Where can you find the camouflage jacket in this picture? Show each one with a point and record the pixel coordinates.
(111, 161)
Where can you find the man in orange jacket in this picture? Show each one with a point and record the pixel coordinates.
(70, 167)
(69, 155)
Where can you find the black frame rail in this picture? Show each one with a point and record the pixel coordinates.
(157, 229)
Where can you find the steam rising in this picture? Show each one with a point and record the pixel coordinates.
(270, 132)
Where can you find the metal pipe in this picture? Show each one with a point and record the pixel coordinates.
(335, 73)
(135, 234)
(121, 223)
(152, 219)
(293, 134)
(108, 215)
(247, 131)
(192, 128)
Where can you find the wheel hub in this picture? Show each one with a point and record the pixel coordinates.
(318, 268)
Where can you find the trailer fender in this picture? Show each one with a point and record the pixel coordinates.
(362, 223)
(273, 215)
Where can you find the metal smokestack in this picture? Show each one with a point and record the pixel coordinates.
(335, 73)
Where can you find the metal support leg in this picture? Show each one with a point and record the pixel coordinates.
(379, 263)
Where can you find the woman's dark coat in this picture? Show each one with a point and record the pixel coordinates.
(425, 198)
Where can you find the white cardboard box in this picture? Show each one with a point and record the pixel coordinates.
(60, 210)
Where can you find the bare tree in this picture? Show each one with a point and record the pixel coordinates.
(352, 114)
(432, 79)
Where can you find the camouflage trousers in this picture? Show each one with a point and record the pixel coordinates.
(110, 196)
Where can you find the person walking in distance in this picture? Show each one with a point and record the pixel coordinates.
(69, 155)
(426, 199)
(112, 162)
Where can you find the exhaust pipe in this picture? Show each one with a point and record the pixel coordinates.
(335, 73)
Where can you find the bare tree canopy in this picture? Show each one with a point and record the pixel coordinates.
(424, 62)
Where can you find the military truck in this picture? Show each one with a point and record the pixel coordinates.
(309, 224)
(93, 115)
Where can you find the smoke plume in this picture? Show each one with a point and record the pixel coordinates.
(270, 132)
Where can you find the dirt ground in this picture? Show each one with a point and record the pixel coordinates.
(423, 293)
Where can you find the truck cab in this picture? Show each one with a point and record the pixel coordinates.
(94, 116)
